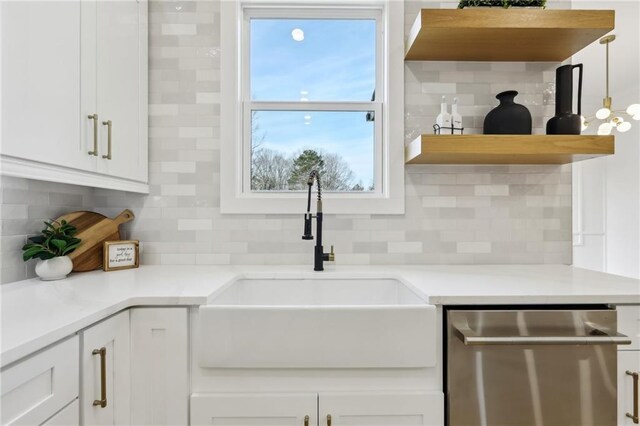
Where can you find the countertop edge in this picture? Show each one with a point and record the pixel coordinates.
(435, 284)
(39, 343)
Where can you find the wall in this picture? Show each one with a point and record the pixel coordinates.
(607, 191)
(24, 205)
(454, 214)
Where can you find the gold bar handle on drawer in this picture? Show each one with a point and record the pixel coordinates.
(635, 416)
(306, 420)
(102, 402)
(109, 125)
(94, 117)
(328, 419)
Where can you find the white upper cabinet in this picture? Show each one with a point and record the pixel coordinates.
(68, 68)
(121, 88)
(41, 84)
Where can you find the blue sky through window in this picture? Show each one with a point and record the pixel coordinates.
(334, 62)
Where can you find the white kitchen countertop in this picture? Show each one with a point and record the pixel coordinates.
(36, 313)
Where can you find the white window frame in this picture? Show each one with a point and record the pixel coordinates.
(236, 107)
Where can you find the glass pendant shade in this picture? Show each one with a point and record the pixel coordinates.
(624, 127)
(604, 129)
(603, 113)
(634, 110)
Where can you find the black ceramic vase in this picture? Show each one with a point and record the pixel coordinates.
(508, 118)
(565, 121)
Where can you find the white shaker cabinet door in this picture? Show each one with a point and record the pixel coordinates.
(159, 366)
(254, 409)
(628, 361)
(381, 409)
(106, 344)
(68, 416)
(41, 84)
(33, 389)
(629, 324)
(122, 87)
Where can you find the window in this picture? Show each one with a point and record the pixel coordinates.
(308, 87)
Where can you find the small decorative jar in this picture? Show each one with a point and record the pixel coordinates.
(508, 118)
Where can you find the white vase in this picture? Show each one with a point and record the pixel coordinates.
(55, 268)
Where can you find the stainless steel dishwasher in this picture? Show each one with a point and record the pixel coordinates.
(538, 367)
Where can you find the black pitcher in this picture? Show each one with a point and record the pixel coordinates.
(566, 122)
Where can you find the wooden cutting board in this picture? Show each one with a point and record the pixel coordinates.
(93, 229)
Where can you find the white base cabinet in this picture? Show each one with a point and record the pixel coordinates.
(628, 361)
(160, 366)
(381, 409)
(36, 388)
(106, 378)
(254, 409)
(68, 416)
(324, 409)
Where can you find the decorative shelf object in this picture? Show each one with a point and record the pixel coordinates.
(507, 149)
(495, 34)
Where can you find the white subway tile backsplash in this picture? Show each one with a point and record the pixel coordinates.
(194, 225)
(491, 190)
(439, 201)
(183, 190)
(475, 247)
(405, 247)
(179, 29)
(454, 214)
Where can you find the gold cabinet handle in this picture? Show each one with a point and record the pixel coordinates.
(109, 125)
(328, 419)
(102, 402)
(306, 420)
(94, 117)
(635, 416)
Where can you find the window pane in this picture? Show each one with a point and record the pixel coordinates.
(312, 59)
(287, 145)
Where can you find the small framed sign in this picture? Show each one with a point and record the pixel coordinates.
(121, 255)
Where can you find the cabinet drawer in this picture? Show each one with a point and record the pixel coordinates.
(629, 324)
(35, 389)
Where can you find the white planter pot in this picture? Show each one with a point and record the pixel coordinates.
(55, 268)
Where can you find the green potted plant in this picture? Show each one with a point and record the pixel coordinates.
(482, 3)
(52, 247)
(528, 3)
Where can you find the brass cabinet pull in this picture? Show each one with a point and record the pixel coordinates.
(102, 402)
(306, 420)
(94, 117)
(328, 419)
(109, 125)
(635, 417)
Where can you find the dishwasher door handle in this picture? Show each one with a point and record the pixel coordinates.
(598, 337)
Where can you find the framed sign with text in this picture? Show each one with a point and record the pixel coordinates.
(121, 255)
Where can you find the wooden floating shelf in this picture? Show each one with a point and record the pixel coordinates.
(507, 149)
(494, 34)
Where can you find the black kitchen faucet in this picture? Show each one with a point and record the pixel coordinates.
(319, 255)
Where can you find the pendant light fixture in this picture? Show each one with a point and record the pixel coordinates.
(610, 117)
